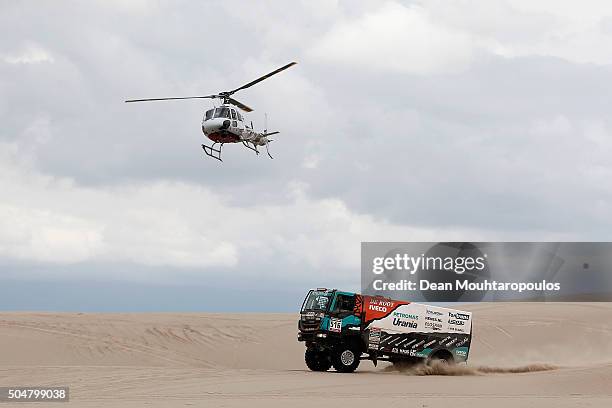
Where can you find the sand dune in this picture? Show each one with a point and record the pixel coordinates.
(522, 355)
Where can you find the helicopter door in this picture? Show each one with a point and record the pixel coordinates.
(234, 118)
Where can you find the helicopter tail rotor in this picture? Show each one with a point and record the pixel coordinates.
(268, 149)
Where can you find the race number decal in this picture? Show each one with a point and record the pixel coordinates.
(374, 339)
(335, 325)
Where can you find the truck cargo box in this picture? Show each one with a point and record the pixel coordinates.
(414, 329)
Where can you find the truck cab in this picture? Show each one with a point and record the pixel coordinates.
(330, 325)
(326, 312)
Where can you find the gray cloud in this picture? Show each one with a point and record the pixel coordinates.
(402, 121)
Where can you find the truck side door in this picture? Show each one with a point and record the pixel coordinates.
(343, 312)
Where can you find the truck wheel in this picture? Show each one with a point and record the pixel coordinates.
(317, 360)
(345, 359)
(442, 356)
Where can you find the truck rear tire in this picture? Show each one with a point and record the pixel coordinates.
(442, 356)
(345, 359)
(317, 360)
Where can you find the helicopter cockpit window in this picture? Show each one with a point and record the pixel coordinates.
(209, 114)
(222, 113)
(239, 116)
(233, 114)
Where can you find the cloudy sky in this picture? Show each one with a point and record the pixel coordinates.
(406, 121)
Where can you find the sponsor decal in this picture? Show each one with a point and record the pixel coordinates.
(433, 312)
(414, 353)
(385, 338)
(450, 343)
(460, 316)
(456, 322)
(429, 343)
(462, 342)
(456, 329)
(420, 343)
(335, 325)
(433, 319)
(409, 343)
(434, 326)
(395, 340)
(377, 308)
(406, 315)
(403, 323)
(402, 342)
(374, 339)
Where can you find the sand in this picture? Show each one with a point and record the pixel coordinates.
(523, 355)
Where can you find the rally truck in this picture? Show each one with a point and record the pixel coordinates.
(340, 329)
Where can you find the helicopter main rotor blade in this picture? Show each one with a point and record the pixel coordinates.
(169, 99)
(240, 105)
(262, 78)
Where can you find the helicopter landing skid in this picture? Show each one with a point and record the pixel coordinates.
(254, 148)
(212, 152)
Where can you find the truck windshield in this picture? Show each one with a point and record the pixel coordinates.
(317, 300)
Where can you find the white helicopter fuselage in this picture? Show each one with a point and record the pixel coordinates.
(226, 124)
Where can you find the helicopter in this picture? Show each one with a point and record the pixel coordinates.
(225, 124)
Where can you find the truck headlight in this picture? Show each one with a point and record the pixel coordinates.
(322, 335)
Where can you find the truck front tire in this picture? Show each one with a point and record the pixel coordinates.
(345, 359)
(317, 360)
